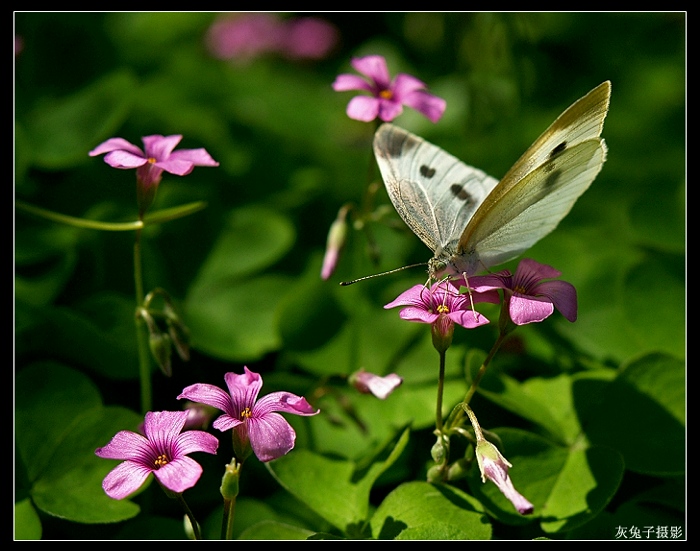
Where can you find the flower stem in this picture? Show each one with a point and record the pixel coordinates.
(229, 514)
(441, 383)
(457, 414)
(195, 527)
(141, 338)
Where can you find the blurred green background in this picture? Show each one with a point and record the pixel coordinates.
(245, 270)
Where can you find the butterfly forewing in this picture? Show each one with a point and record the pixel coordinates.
(535, 206)
(581, 121)
(434, 193)
(542, 186)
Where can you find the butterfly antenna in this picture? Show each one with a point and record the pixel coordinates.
(346, 283)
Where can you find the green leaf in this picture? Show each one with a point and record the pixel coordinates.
(251, 239)
(422, 511)
(235, 320)
(336, 489)
(50, 397)
(71, 486)
(585, 485)
(642, 415)
(60, 421)
(63, 131)
(271, 530)
(27, 523)
(98, 334)
(567, 487)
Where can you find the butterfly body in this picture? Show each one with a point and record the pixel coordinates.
(472, 221)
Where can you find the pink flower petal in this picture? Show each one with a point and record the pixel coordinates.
(180, 474)
(116, 143)
(160, 147)
(125, 479)
(124, 159)
(271, 436)
(429, 105)
(373, 67)
(526, 309)
(363, 108)
(345, 82)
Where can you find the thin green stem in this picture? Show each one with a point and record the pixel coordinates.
(229, 514)
(441, 383)
(141, 337)
(193, 521)
(78, 222)
(457, 414)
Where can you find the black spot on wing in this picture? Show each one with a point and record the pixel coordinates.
(558, 149)
(552, 179)
(399, 143)
(460, 193)
(427, 172)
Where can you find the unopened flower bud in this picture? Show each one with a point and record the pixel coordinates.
(229, 482)
(337, 235)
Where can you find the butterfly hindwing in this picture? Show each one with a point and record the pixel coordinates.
(434, 193)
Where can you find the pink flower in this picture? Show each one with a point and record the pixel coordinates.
(387, 97)
(255, 422)
(495, 467)
(529, 294)
(442, 306)
(163, 451)
(158, 157)
(428, 305)
(381, 387)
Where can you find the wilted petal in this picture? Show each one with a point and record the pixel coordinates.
(380, 387)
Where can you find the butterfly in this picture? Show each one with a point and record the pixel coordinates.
(472, 221)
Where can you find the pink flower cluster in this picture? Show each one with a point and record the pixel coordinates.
(245, 36)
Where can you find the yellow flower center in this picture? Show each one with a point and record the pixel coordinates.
(386, 94)
(160, 461)
(246, 413)
(152, 160)
(443, 309)
(520, 289)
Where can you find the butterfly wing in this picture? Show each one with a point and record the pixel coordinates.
(542, 186)
(434, 193)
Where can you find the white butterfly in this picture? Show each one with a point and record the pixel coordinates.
(472, 221)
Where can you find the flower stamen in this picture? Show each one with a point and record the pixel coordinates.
(247, 413)
(386, 94)
(161, 461)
